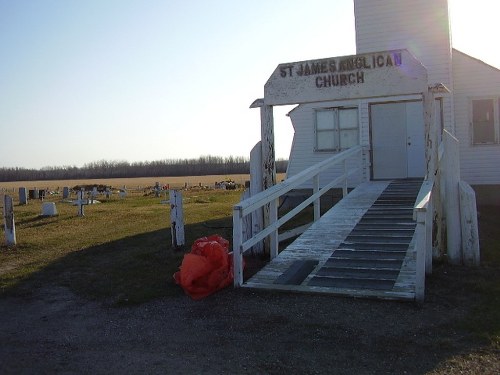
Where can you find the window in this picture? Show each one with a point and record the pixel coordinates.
(336, 129)
(485, 121)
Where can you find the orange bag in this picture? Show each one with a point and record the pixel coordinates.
(207, 268)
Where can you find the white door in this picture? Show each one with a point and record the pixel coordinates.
(397, 140)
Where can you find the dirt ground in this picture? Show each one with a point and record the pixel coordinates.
(244, 332)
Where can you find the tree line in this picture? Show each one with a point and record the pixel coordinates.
(202, 166)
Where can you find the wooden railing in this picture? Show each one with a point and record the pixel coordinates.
(270, 198)
(423, 215)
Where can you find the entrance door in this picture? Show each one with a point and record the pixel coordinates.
(397, 138)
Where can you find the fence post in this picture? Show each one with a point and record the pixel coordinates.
(176, 219)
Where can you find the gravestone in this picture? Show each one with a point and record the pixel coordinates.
(108, 193)
(23, 196)
(65, 192)
(81, 202)
(49, 209)
(157, 190)
(8, 217)
(123, 192)
(94, 193)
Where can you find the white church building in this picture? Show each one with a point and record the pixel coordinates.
(346, 101)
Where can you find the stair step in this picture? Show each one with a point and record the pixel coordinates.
(359, 273)
(368, 254)
(347, 283)
(373, 246)
(392, 264)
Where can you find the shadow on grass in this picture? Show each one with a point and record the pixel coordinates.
(130, 270)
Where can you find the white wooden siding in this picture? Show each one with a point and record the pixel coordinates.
(302, 154)
(421, 27)
(479, 164)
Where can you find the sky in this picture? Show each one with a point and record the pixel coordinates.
(144, 80)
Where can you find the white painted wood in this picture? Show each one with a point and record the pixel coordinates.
(246, 226)
(478, 163)
(452, 198)
(388, 129)
(362, 76)
(176, 219)
(302, 154)
(9, 221)
(255, 188)
(273, 237)
(237, 247)
(415, 139)
(317, 202)
(421, 26)
(272, 195)
(470, 230)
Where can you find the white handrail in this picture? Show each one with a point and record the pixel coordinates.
(271, 196)
(423, 215)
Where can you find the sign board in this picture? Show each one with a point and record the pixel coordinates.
(359, 76)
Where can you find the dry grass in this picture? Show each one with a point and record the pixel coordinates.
(134, 183)
(120, 250)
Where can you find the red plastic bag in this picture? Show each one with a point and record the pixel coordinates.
(207, 268)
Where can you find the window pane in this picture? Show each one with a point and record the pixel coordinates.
(348, 118)
(349, 138)
(483, 121)
(324, 120)
(325, 140)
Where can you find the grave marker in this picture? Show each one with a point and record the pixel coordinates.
(49, 209)
(176, 219)
(81, 202)
(10, 225)
(65, 192)
(23, 196)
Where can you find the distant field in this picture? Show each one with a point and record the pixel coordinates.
(141, 182)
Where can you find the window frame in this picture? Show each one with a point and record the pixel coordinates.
(496, 120)
(336, 130)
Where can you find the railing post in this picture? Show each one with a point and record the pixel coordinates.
(420, 253)
(428, 238)
(237, 247)
(344, 188)
(317, 202)
(273, 218)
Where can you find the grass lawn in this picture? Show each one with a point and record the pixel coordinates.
(120, 250)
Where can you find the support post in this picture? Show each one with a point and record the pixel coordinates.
(420, 236)
(431, 157)
(255, 188)
(470, 231)
(8, 217)
(176, 219)
(237, 248)
(452, 198)
(317, 202)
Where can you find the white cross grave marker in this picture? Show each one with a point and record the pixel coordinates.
(81, 202)
(10, 226)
